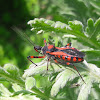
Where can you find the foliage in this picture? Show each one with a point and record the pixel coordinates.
(63, 11)
(60, 77)
(75, 21)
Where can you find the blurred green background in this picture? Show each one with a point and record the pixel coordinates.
(18, 12)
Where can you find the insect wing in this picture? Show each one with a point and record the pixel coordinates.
(73, 52)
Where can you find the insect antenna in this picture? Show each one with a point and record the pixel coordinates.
(23, 35)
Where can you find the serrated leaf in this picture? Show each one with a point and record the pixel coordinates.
(13, 70)
(76, 25)
(10, 76)
(90, 27)
(33, 70)
(97, 24)
(93, 28)
(85, 90)
(30, 83)
(93, 72)
(61, 80)
(4, 91)
(74, 28)
(42, 69)
(48, 25)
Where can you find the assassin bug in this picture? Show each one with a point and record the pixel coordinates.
(62, 55)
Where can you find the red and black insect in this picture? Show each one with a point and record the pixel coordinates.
(63, 55)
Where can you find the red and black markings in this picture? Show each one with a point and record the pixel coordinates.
(70, 59)
(35, 56)
(50, 46)
(62, 55)
(66, 57)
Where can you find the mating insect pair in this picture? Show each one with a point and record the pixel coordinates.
(63, 55)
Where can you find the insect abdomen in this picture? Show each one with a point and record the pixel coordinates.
(69, 58)
(73, 59)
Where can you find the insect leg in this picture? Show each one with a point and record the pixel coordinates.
(36, 48)
(48, 59)
(76, 70)
(34, 57)
(56, 61)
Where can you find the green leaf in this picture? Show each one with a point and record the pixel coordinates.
(93, 56)
(94, 94)
(85, 90)
(74, 28)
(97, 28)
(41, 68)
(93, 72)
(16, 87)
(93, 28)
(88, 36)
(61, 80)
(90, 27)
(13, 70)
(4, 91)
(3, 72)
(76, 25)
(29, 83)
(48, 25)
(9, 72)
(33, 70)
